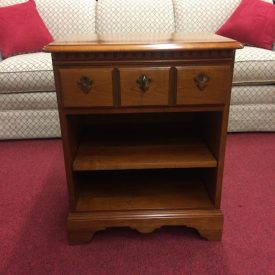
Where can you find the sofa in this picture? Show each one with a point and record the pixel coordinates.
(28, 107)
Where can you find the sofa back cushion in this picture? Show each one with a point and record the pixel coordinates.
(115, 16)
(63, 17)
(203, 16)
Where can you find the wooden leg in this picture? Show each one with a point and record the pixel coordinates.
(80, 237)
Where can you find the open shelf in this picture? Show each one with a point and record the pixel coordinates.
(147, 149)
(140, 190)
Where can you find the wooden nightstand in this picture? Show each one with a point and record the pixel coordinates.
(144, 122)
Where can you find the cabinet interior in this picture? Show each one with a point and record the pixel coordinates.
(144, 161)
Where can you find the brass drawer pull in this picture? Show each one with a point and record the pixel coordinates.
(143, 82)
(85, 84)
(202, 80)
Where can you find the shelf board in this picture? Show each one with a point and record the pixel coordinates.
(142, 190)
(149, 152)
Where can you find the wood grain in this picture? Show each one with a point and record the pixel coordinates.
(82, 225)
(136, 190)
(141, 42)
(157, 93)
(150, 160)
(110, 156)
(216, 88)
(101, 93)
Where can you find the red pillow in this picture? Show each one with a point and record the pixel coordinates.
(253, 23)
(22, 29)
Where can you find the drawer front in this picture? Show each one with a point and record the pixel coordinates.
(144, 86)
(203, 84)
(87, 87)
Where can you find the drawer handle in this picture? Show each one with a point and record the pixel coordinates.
(143, 82)
(85, 84)
(201, 80)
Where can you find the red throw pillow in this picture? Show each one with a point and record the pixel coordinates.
(253, 23)
(22, 29)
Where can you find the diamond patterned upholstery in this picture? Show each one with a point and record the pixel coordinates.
(63, 17)
(28, 101)
(29, 124)
(198, 16)
(254, 65)
(203, 16)
(134, 16)
(27, 91)
(253, 94)
(26, 73)
(252, 117)
(258, 94)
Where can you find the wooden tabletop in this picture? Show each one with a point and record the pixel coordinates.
(141, 42)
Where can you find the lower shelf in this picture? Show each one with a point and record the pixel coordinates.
(142, 190)
(143, 200)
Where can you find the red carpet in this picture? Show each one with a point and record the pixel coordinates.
(33, 207)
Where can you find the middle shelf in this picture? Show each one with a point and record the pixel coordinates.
(145, 142)
(111, 155)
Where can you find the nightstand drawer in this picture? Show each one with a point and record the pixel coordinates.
(86, 87)
(203, 84)
(144, 86)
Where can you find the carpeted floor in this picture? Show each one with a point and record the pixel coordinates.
(33, 208)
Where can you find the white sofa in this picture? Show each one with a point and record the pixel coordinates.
(28, 106)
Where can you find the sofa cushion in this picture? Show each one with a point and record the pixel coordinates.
(63, 17)
(22, 29)
(254, 65)
(134, 16)
(203, 16)
(251, 117)
(29, 124)
(257, 94)
(27, 73)
(28, 101)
